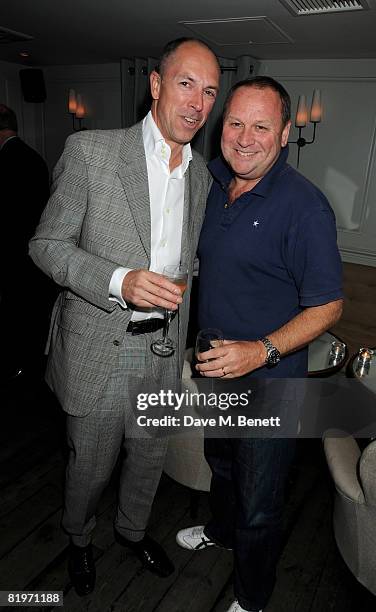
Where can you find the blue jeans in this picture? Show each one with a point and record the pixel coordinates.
(246, 501)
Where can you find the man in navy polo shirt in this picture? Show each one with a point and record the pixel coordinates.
(270, 279)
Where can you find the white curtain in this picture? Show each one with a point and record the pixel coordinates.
(136, 98)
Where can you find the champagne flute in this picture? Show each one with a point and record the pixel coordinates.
(165, 346)
(207, 339)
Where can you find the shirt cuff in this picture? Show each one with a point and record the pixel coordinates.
(116, 284)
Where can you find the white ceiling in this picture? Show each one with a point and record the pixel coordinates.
(100, 31)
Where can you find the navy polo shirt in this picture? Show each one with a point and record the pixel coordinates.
(267, 256)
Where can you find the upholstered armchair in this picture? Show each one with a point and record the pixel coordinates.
(185, 461)
(354, 519)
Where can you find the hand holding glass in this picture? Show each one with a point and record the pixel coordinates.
(208, 339)
(165, 346)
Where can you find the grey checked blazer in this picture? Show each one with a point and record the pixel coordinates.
(97, 219)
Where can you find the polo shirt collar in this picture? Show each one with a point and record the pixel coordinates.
(7, 140)
(222, 172)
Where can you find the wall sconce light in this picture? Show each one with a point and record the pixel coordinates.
(76, 109)
(301, 119)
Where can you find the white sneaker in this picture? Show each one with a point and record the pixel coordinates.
(193, 538)
(236, 607)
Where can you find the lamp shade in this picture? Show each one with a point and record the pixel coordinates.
(80, 112)
(316, 106)
(72, 101)
(301, 113)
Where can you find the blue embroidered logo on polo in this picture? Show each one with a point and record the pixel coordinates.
(255, 223)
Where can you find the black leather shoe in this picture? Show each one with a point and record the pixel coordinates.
(81, 569)
(150, 553)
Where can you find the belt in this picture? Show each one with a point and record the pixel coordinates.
(147, 326)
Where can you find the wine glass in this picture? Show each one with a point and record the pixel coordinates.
(165, 346)
(208, 339)
(364, 360)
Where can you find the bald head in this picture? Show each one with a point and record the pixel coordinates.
(171, 47)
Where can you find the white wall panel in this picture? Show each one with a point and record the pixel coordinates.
(341, 162)
(100, 88)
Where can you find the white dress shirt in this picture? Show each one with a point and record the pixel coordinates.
(166, 193)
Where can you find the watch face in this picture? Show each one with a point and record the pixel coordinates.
(274, 357)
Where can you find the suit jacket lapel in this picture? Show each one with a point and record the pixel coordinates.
(134, 178)
(187, 221)
(192, 191)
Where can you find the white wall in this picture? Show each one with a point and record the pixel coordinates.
(342, 160)
(100, 87)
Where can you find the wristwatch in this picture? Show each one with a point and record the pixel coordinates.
(273, 356)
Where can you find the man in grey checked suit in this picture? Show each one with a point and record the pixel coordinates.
(124, 202)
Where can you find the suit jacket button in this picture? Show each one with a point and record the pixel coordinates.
(116, 342)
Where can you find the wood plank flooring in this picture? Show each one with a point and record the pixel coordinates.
(357, 326)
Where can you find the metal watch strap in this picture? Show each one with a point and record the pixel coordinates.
(273, 355)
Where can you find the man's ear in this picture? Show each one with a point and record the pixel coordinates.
(155, 84)
(285, 134)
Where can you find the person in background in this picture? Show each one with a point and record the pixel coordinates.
(125, 203)
(26, 294)
(278, 286)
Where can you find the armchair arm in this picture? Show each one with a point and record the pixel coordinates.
(367, 473)
(342, 455)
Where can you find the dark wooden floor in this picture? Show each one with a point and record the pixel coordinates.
(357, 326)
(33, 549)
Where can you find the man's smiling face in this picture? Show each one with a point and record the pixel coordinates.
(253, 132)
(184, 94)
